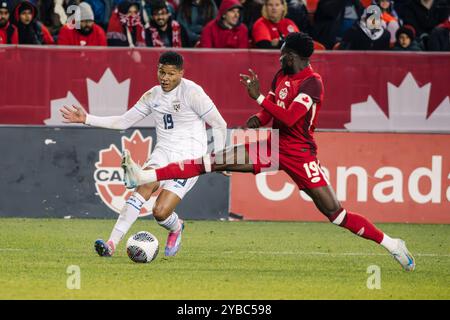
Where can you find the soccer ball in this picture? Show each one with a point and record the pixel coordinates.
(142, 247)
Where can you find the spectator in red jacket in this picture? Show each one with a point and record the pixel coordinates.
(270, 30)
(31, 31)
(88, 33)
(8, 31)
(226, 31)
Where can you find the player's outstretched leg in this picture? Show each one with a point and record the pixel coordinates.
(326, 201)
(134, 175)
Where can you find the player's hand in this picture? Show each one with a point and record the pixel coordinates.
(253, 122)
(252, 84)
(73, 114)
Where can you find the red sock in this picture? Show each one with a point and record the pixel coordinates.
(357, 224)
(183, 169)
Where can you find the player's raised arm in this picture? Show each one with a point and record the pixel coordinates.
(306, 97)
(76, 114)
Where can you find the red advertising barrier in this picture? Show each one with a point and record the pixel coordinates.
(36, 81)
(386, 177)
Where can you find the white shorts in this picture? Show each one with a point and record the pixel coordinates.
(161, 157)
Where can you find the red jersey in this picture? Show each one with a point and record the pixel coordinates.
(72, 37)
(295, 106)
(264, 29)
(9, 34)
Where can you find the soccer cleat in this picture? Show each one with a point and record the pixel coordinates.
(130, 169)
(104, 249)
(403, 256)
(174, 241)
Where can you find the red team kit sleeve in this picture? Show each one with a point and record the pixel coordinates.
(309, 93)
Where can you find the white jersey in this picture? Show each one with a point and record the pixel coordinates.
(178, 115)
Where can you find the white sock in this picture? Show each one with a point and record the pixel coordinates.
(172, 223)
(128, 216)
(389, 243)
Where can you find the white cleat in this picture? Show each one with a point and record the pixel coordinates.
(131, 170)
(403, 256)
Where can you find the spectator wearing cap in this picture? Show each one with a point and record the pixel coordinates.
(406, 39)
(125, 28)
(364, 35)
(31, 31)
(8, 31)
(85, 32)
(226, 31)
(164, 31)
(270, 30)
(102, 10)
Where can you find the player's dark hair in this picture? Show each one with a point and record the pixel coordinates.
(171, 58)
(301, 43)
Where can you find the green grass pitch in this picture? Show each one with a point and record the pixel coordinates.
(220, 260)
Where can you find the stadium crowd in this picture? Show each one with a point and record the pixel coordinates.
(407, 25)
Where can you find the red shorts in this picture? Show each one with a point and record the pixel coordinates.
(305, 171)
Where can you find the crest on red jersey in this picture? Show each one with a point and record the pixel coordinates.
(283, 93)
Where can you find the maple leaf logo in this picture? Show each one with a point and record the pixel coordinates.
(108, 175)
(408, 105)
(106, 97)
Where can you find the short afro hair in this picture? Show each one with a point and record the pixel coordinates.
(171, 58)
(301, 43)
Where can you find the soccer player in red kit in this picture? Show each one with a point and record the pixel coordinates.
(294, 104)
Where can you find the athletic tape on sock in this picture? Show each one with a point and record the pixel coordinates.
(207, 162)
(340, 218)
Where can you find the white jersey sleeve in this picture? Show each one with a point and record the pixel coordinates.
(138, 112)
(200, 102)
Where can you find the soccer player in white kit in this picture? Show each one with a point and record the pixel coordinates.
(180, 109)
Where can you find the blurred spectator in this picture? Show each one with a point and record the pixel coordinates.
(251, 11)
(270, 30)
(440, 37)
(31, 31)
(424, 15)
(89, 33)
(193, 15)
(146, 11)
(102, 11)
(125, 28)
(226, 31)
(333, 18)
(364, 36)
(164, 31)
(406, 39)
(8, 31)
(298, 13)
(389, 17)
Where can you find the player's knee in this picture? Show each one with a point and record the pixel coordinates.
(161, 212)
